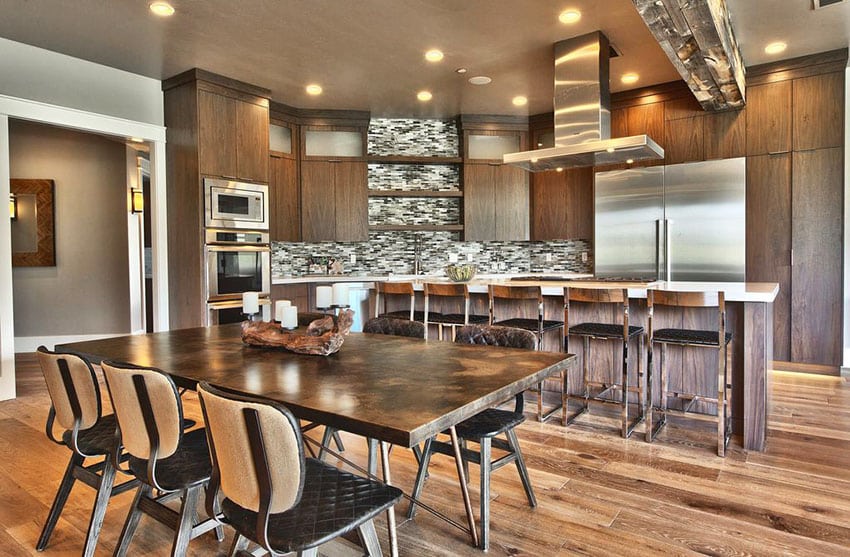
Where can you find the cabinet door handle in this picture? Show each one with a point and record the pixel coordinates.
(777, 153)
(791, 257)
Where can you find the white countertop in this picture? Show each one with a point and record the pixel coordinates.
(734, 291)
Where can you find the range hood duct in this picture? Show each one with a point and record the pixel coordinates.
(583, 114)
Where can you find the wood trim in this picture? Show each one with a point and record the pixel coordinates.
(802, 66)
(418, 227)
(283, 112)
(232, 93)
(648, 95)
(197, 74)
(403, 159)
(316, 117)
(499, 122)
(45, 249)
(815, 369)
(415, 193)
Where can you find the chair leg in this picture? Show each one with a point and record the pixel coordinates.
(104, 492)
(420, 477)
(372, 457)
(219, 530)
(338, 441)
(521, 469)
(465, 461)
(624, 409)
(485, 467)
(59, 501)
(312, 552)
(650, 374)
(369, 538)
(132, 521)
(187, 519)
(326, 440)
(721, 401)
(240, 543)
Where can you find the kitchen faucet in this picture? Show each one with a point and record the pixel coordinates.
(417, 254)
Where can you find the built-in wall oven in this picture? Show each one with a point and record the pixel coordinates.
(237, 261)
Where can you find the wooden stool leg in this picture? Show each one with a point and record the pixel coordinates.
(624, 409)
(650, 380)
(485, 469)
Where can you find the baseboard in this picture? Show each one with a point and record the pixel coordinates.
(806, 368)
(30, 344)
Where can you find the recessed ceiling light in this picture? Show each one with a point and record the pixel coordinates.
(461, 70)
(424, 96)
(629, 78)
(480, 80)
(520, 100)
(610, 149)
(559, 169)
(313, 89)
(630, 161)
(532, 161)
(569, 16)
(775, 48)
(163, 9)
(434, 55)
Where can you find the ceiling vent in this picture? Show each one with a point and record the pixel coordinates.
(818, 4)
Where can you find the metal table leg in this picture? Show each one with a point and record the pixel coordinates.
(391, 526)
(464, 488)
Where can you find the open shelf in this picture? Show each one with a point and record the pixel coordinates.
(403, 159)
(418, 227)
(414, 193)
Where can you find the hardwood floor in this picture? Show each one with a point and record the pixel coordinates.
(598, 494)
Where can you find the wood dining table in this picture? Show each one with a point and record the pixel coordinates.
(397, 390)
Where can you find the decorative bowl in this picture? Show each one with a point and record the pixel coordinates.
(460, 273)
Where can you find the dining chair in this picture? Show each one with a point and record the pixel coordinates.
(162, 457)
(517, 298)
(483, 428)
(272, 494)
(380, 326)
(383, 290)
(75, 404)
(717, 339)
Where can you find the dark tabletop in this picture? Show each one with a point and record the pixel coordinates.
(395, 389)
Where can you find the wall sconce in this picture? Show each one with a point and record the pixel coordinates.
(138, 201)
(13, 206)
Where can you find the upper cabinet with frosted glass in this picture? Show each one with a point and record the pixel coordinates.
(319, 142)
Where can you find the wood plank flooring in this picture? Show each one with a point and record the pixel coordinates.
(598, 494)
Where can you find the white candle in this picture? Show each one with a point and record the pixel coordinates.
(324, 296)
(340, 294)
(278, 309)
(289, 318)
(250, 302)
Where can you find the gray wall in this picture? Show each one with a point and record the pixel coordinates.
(87, 292)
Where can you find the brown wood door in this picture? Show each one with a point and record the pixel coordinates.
(479, 203)
(579, 203)
(548, 206)
(685, 139)
(352, 199)
(647, 119)
(285, 223)
(511, 203)
(817, 206)
(725, 134)
(217, 135)
(819, 111)
(769, 238)
(769, 118)
(252, 141)
(318, 205)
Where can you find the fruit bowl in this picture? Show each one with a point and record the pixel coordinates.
(460, 273)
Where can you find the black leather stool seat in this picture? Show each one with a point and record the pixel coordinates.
(529, 324)
(604, 330)
(332, 503)
(417, 315)
(98, 439)
(688, 336)
(456, 319)
(489, 423)
(189, 466)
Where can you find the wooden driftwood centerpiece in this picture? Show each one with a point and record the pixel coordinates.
(323, 337)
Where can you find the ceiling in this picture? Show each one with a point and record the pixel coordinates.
(368, 54)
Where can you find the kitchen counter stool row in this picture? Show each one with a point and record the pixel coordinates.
(599, 319)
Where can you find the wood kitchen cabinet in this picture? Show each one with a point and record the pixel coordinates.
(233, 137)
(818, 108)
(562, 204)
(284, 183)
(769, 118)
(495, 195)
(334, 201)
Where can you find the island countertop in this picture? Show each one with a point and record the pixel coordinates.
(734, 291)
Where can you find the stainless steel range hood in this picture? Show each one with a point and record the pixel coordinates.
(583, 114)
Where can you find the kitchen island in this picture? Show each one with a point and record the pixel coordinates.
(749, 319)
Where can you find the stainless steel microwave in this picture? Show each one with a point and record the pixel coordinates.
(230, 204)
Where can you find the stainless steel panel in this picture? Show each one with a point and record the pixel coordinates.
(257, 196)
(582, 96)
(212, 251)
(629, 211)
(705, 205)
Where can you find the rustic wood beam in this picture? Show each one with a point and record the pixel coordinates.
(698, 38)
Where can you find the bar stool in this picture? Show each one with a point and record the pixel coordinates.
(617, 302)
(385, 289)
(537, 325)
(453, 320)
(717, 339)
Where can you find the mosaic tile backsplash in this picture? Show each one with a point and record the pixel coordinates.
(408, 137)
(393, 252)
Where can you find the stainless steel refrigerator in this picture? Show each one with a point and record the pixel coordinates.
(678, 222)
